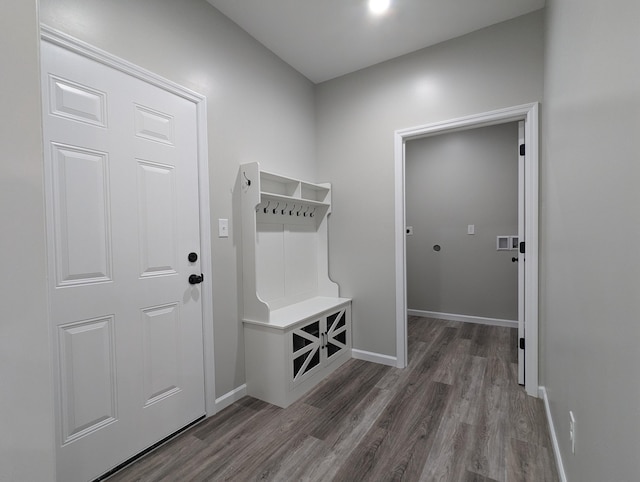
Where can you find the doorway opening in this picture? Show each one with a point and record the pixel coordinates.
(528, 194)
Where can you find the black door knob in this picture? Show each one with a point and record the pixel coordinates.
(514, 260)
(194, 279)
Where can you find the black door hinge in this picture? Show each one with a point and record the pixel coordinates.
(522, 343)
(522, 149)
(522, 247)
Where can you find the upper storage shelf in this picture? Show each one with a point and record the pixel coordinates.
(281, 199)
(274, 186)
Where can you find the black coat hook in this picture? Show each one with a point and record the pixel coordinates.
(276, 208)
(266, 208)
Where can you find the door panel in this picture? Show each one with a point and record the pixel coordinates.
(122, 216)
(88, 382)
(81, 213)
(152, 125)
(157, 219)
(336, 333)
(77, 102)
(161, 327)
(306, 343)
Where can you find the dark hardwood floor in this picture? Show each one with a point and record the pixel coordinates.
(456, 413)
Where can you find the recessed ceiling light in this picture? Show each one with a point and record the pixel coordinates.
(378, 7)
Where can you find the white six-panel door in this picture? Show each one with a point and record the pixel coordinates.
(122, 218)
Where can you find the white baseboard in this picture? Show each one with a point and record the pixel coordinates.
(231, 397)
(374, 357)
(464, 318)
(542, 392)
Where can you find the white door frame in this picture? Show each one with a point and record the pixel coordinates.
(89, 51)
(529, 114)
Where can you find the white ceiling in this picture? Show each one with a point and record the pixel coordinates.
(324, 39)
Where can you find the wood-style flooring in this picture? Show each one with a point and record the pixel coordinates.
(456, 413)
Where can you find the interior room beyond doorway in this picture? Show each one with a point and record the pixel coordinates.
(461, 196)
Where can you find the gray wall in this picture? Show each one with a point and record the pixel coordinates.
(453, 180)
(590, 288)
(357, 114)
(259, 109)
(26, 401)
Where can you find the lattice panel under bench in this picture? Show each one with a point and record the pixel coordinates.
(283, 363)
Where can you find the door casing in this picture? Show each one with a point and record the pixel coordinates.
(529, 114)
(56, 37)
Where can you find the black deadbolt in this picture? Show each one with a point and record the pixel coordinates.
(193, 257)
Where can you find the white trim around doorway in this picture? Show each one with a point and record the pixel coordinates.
(200, 101)
(529, 114)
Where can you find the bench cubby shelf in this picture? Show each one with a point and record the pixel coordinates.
(297, 329)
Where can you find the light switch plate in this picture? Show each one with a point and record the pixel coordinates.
(409, 230)
(572, 431)
(223, 228)
(471, 229)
